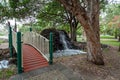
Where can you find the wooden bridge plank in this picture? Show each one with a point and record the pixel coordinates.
(32, 59)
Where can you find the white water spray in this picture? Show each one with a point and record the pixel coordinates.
(63, 40)
(3, 64)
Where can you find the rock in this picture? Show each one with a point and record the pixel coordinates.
(13, 61)
(81, 45)
(104, 46)
(56, 39)
(57, 45)
(5, 53)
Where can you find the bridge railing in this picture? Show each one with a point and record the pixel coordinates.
(15, 41)
(39, 42)
(14, 38)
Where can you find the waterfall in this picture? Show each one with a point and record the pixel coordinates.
(63, 40)
(66, 45)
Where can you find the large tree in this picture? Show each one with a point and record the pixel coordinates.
(87, 12)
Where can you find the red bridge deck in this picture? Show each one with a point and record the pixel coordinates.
(32, 59)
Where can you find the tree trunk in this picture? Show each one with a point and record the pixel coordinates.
(71, 36)
(73, 33)
(116, 34)
(119, 47)
(91, 28)
(119, 38)
(15, 27)
(94, 48)
(73, 25)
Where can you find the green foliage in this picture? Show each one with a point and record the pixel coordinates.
(13, 3)
(109, 25)
(112, 10)
(79, 30)
(24, 29)
(106, 30)
(17, 9)
(103, 4)
(52, 14)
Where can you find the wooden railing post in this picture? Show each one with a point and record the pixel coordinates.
(51, 48)
(10, 42)
(19, 53)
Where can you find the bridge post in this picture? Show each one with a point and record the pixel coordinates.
(10, 42)
(19, 53)
(51, 49)
(30, 29)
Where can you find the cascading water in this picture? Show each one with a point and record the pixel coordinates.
(66, 46)
(63, 40)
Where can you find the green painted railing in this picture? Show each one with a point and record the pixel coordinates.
(51, 48)
(19, 52)
(10, 42)
(30, 29)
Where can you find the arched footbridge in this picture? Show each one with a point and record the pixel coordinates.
(33, 50)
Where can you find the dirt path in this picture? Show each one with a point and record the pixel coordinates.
(53, 72)
(89, 71)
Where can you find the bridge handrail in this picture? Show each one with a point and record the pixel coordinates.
(38, 41)
(14, 38)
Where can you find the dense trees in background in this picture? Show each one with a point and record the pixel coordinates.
(115, 24)
(112, 19)
(18, 9)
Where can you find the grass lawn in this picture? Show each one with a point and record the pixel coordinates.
(112, 42)
(109, 40)
(1, 41)
(106, 39)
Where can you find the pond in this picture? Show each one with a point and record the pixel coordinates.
(68, 52)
